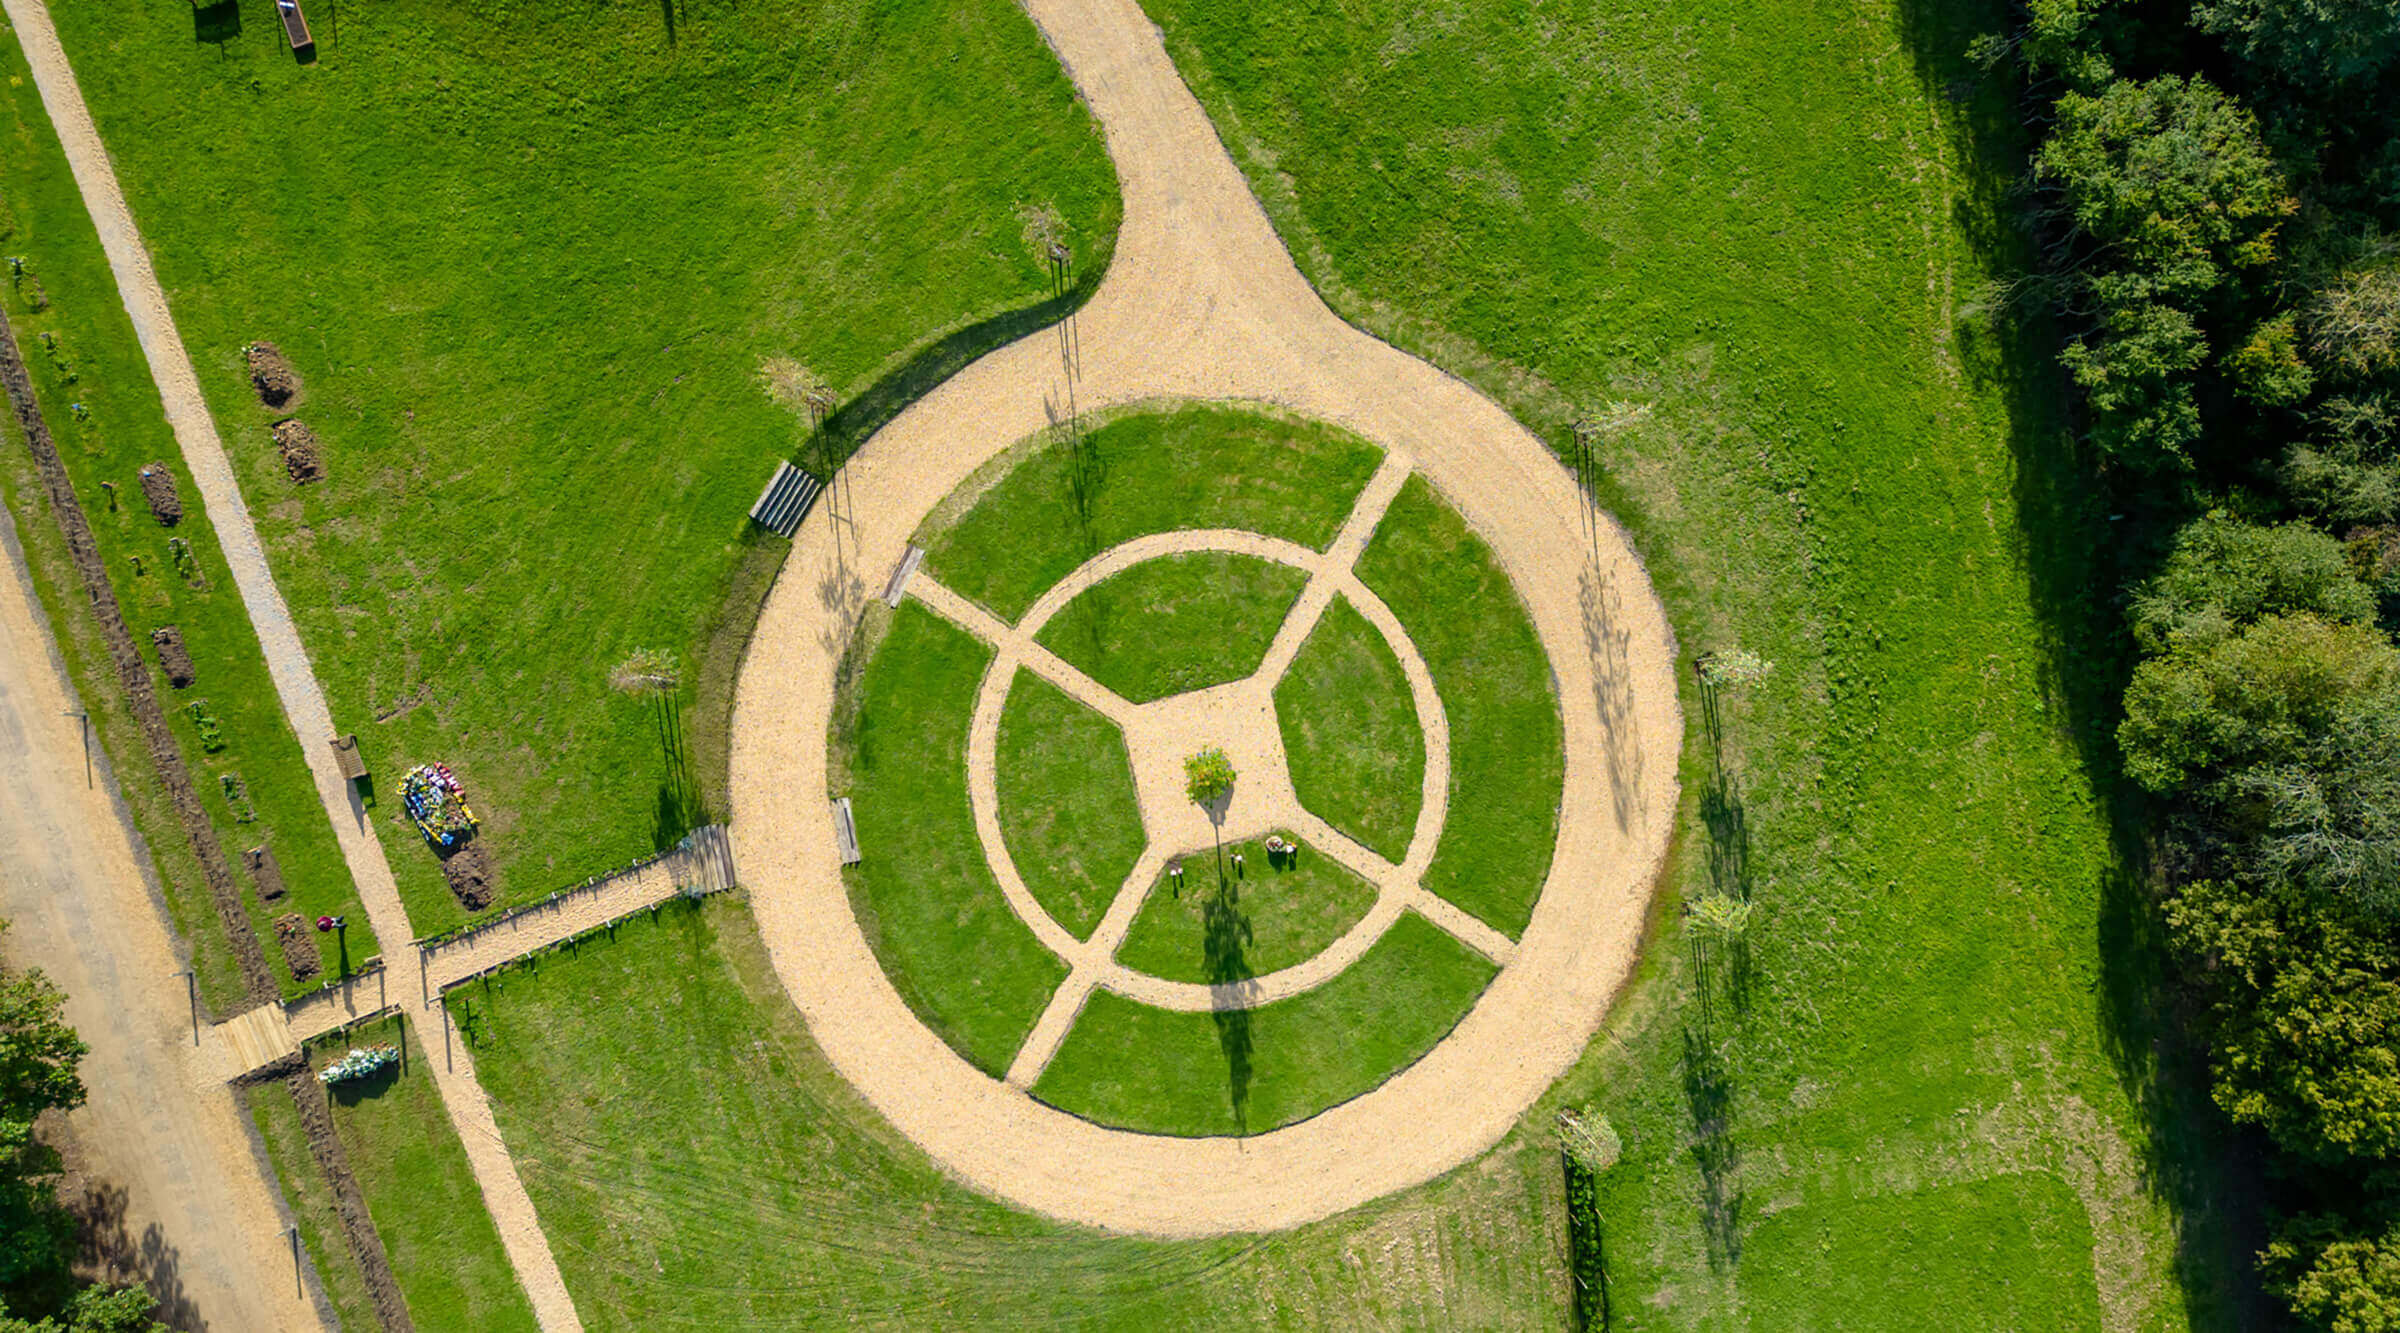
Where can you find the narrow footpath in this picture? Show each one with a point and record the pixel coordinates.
(287, 660)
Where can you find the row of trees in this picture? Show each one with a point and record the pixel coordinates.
(2218, 220)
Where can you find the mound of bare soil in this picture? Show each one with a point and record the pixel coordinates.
(266, 870)
(158, 487)
(271, 374)
(298, 445)
(468, 867)
(298, 949)
(173, 656)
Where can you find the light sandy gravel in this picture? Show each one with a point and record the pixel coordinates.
(79, 907)
(1203, 302)
(295, 681)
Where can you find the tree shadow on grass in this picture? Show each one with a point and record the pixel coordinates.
(1708, 1097)
(1225, 936)
(680, 807)
(2084, 535)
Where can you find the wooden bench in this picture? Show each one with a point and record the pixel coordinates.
(898, 587)
(845, 831)
(789, 495)
(345, 753)
(295, 26)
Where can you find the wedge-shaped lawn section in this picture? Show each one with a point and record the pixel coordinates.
(1177, 623)
(924, 893)
(1067, 805)
(544, 271)
(1251, 1070)
(421, 1192)
(1505, 743)
(1350, 733)
(1197, 467)
(1229, 925)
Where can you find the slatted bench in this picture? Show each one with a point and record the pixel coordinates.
(845, 831)
(295, 26)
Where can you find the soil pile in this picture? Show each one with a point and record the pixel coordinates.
(158, 487)
(173, 656)
(298, 445)
(469, 870)
(265, 871)
(271, 374)
(298, 949)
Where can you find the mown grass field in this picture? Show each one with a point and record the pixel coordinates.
(1278, 915)
(540, 271)
(1350, 733)
(1762, 230)
(1068, 809)
(799, 1204)
(1175, 624)
(92, 361)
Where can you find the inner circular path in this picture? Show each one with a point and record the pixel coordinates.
(1202, 302)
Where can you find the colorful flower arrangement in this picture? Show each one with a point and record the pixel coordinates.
(438, 804)
(359, 1063)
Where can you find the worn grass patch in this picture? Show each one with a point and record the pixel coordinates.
(1175, 624)
(1350, 733)
(924, 893)
(104, 416)
(1275, 915)
(1067, 804)
(1145, 472)
(800, 1204)
(541, 271)
(1506, 751)
(1247, 1071)
(421, 1192)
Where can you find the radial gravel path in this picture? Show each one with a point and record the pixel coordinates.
(1202, 302)
(287, 661)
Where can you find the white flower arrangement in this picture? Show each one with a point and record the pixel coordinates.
(359, 1063)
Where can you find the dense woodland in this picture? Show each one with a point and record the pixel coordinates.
(2214, 192)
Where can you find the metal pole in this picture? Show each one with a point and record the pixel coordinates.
(299, 1288)
(86, 720)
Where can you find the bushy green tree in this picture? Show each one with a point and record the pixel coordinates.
(2263, 695)
(38, 1054)
(2348, 469)
(94, 1310)
(2336, 1276)
(2269, 369)
(2224, 574)
(2307, 39)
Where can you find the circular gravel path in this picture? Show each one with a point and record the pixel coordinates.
(1202, 302)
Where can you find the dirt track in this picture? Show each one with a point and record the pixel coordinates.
(162, 1150)
(1203, 302)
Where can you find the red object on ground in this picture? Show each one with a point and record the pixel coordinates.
(324, 923)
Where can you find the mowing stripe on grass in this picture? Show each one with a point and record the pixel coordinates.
(924, 894)
(1506, 749)
(1247, 1071)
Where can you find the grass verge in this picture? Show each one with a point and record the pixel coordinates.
(1067, 806)
(799, 1203)
(1024, 528)
(1246, 1071)
(1506, 749)
(924, 893)
(1350, 733)
(96, 393)
(443, 1246)
(1275, 915)
(551, 280)
(312, 1204)
(1175, 624)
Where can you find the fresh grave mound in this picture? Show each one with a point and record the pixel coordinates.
(299, 951)
(298, 445)
(173, 656)
(271, 374)
(468, 868)
(266, 870)
(158, 487)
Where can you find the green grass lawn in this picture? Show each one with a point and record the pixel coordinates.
(93, 361)
(1016, 527)
(1350, 733)
(2005, 1252)
(924, 892)
(1067, 804)
(1505, 747)
(538, 269)
(1249, 1071)
(421, 1192)
(1277, 916)
(1763, 229)
(1177, 623)
(697, 1165)
(311, 1200)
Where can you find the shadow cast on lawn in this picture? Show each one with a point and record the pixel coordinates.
(2084, 536)
(1225, 941)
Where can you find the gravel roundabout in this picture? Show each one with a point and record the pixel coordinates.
(1202, 302)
